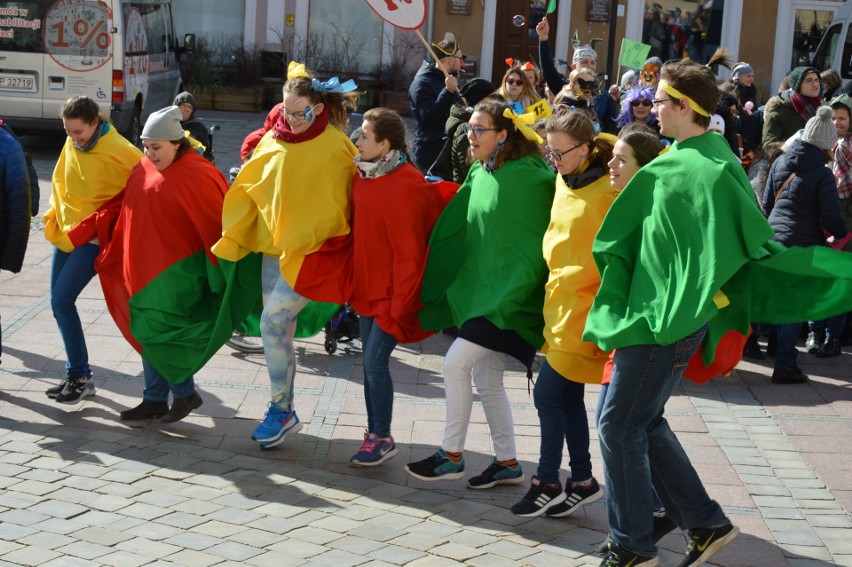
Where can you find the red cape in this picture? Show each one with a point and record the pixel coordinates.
(393, 218)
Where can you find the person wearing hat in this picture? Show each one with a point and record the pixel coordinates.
(788, 112)
(432, 94)
(187, 105)
(155, 260)
(452, 163)
(92, 168)
(801, 201)
(842, 106)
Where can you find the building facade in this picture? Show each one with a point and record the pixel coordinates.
(772, 35)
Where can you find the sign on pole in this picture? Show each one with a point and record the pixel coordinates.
(405, 14)
(633, 53)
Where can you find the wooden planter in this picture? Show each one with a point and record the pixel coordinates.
(239, 99)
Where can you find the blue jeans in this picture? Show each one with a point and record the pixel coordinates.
(562, 417)
(640, 451)
(378, 386)
(157, 388)
(69, 275)
(832, 327)
(785, 350)
(281, 306)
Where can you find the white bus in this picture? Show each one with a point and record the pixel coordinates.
(121, 53)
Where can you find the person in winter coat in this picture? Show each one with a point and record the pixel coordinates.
(35, 192)
(842, 106)
(801, 200)
(187, 105)
(432, 94)
(394, 210)
(92, 168)
(453, 163)
(788, 112)
(14, 206)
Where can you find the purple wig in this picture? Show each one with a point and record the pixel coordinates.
(636, 93)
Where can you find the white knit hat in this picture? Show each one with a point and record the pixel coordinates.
(163, 125)
(820, 130)
(717, 123)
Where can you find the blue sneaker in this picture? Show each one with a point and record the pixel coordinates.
(277, 426)
(375, 451)
(437, 467)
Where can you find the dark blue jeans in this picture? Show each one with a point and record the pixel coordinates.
(562, 418)
(157, 388)
(640, 450)
(786, 353)
(69, 275)
(377, 347)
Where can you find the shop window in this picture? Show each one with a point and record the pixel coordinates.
(683, 29)
(215, 20)
(342, 42)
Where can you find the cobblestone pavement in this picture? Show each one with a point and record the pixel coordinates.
(80, 487)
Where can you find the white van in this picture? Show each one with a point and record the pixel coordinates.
(835, 49)
(121, 53)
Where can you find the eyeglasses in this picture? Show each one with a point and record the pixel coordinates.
(643, 102)
(660, 101)
(478, 131)
(518, 82)
(812, 81)
(557, 156)
(306, 113)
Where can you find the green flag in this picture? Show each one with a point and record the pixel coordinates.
(551, 6)
(633, 53)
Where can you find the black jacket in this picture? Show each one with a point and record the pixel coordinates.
(15, 209)
(430, 105)
(810, 201)
(35, 193)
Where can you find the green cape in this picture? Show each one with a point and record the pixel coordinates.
(485, 256)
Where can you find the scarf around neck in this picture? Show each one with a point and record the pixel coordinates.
(100, 130)
(383, 166)
(281, 129)
(806, 106)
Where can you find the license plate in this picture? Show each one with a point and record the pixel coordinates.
(18, 83)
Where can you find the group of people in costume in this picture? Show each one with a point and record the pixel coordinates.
(622, 263)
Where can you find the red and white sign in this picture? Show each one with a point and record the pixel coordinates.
(405, 14)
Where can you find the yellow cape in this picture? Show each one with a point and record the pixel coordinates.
(288, 199)
(573, 282)
(83, 181)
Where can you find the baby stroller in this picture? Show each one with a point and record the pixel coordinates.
(343, 327)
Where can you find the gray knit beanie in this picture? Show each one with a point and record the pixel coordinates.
(165, 125)
(741, 68)
(820, 130)
(183, 97)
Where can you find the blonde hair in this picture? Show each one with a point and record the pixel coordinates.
(336, 103)
(528, 93)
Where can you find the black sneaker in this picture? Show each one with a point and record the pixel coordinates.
(76, 389)
(618, 557)
(497, 474)
(788, 375)
(830, 348)
(704, 543)
(576, 496)
(56, 390)
(539, 498)
(814, 342)
(437, 467)
(663, 525)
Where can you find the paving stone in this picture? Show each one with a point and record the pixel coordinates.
(298, 548)
(804, 537)
(102, 536)
(218, 529)
(124, 559)
(509, 550)
(85, 550)
(274, 559)
(30, 556)
(194, 541)
(22, 517)
(192, 558)
(234, 551)
(457, 551)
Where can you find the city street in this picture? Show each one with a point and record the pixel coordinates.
(80, 487)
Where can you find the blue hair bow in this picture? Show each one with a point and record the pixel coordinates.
(333, 86)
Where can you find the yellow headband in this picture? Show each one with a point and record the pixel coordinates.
(295, 70)
(523, 122)
(677, 94)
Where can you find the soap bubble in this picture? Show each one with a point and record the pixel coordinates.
(519, 21)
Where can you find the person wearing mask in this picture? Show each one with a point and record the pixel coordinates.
(394, 211)
(788, 112)
(485, 274)
(187, 105)
(432, 94)
(801, 201)
(291, 202)
(15, 209)
(169, 215)
(93, 167)
(583, 196)
(650, 312)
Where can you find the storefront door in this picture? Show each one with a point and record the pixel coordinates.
(519, 42)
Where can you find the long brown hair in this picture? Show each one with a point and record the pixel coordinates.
(336, 103)
(515, 146)
(83, 108)
(579, 126)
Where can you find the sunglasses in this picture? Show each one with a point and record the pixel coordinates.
(306, 113)
(478, 131)
(518, 82)
(643, 102)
